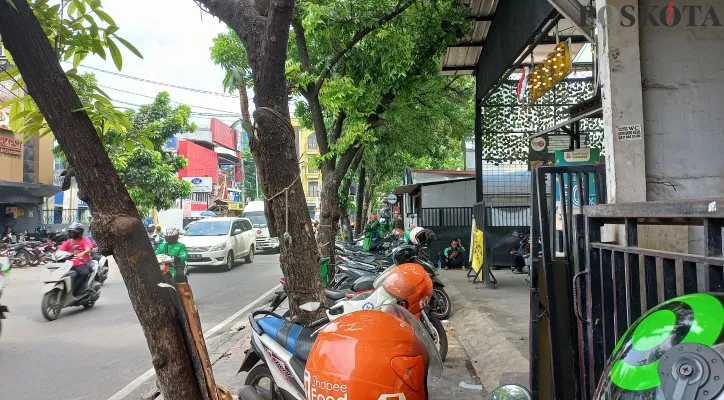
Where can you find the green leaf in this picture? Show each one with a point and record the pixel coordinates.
(12, 4)
(115, 53)
(111, 30)
(105, 17)
(97, 46)
(146, 142)
(248, 128)
(129, 46)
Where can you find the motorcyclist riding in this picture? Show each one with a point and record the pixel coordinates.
(172, 247)
(81, 247)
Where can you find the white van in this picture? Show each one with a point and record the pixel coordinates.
(254, 211)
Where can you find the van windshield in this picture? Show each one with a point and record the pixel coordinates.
(258, 219)
(208, 228)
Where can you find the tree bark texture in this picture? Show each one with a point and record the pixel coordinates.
(368, 203)
(244, 103)
(360, 200)
(263, 28)
(116, 223)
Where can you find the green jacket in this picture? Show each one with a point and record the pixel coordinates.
(174, 250)
(447, 251)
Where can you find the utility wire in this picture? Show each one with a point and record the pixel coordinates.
(175, 102)
(159, 83)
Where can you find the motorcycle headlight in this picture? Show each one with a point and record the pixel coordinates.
(220, 246)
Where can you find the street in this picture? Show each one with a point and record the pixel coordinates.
(94, 353)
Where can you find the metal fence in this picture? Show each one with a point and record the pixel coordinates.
(512, 216)
(446, 216)
(616, 283)
(65, 215)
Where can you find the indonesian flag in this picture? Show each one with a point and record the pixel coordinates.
(522, 89)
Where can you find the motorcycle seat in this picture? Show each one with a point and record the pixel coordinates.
(295, 338)
(335, 294)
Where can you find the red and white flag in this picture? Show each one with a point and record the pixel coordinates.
(522, 89)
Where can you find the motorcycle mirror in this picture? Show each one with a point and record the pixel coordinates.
(510, 392)
(310, 307)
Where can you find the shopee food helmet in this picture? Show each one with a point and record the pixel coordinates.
(351, 360)
(409, 283)
(675, 351)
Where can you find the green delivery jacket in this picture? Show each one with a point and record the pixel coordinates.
(174, 250)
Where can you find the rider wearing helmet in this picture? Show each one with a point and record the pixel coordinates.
(81, 247)
(172, 247)
(673, 352)
(351, 360)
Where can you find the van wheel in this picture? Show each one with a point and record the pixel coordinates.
(230, 260)
(250, 257)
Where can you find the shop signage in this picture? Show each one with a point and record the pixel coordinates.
(234, 206)
(11, 146)
(5, 118)
(629, 132)
(200, 184)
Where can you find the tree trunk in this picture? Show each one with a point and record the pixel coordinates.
(116, 223)
(263, 27)
(368, 203)
(344, 209)
(329, 215)
(360, 201)
(244, 103)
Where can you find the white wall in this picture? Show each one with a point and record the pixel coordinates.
(452, 194)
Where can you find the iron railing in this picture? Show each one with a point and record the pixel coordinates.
(446, 216)
(65, 215)
(616, 283)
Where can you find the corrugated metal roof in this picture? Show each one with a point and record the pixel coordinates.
(462, 58)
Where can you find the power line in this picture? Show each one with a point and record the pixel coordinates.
(154, 97)
(201, 114)
(159, 83)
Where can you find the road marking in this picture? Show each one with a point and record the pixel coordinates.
(134, 384)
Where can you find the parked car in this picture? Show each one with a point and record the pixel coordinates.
(219, 242)
(255, 212)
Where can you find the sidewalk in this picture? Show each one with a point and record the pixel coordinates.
(487, 340)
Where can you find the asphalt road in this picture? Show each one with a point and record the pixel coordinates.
(91, 354)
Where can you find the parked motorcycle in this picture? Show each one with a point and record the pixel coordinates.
(57, 291)
(280, 348)
(4, 272)
(103, 266)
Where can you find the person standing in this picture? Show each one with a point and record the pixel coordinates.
(373, 233)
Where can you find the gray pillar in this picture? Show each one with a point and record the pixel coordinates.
(623, 119)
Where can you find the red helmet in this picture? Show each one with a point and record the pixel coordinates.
(351, 360)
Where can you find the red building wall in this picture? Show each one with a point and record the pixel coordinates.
(201, 161)
(223, 134)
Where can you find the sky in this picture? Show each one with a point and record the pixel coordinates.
(174, 38)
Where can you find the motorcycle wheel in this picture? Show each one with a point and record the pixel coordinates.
(440, 305)
(50, 306)
(19, 260)
(260, 377)
(33, 260)
(438, 334)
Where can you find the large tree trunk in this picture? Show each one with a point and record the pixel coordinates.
(116, 223)
(360, 201)
(329, 215)
(369, 192)
(263, 28)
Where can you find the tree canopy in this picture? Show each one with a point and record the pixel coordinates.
(149, 172)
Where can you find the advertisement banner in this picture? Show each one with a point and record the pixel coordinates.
(478, 251)
(200, 184)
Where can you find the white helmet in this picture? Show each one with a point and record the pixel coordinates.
(413, 234)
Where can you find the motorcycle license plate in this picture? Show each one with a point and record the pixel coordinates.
(194, 256)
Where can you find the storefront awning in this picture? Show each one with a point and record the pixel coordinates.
(406, 189)
(18, 192)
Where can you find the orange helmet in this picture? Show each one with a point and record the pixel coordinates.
(409, 283)
(351, 360)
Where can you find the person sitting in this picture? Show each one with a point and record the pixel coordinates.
(454, 256)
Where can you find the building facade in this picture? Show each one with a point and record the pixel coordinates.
(311, 176)
(26, 175)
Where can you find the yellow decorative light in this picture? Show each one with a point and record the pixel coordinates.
(554, 68)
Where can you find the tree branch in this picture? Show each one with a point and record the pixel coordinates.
(301, 39)
(320, 129)
(338, 125)
(358, 36)
(243, 17)
(345, 161)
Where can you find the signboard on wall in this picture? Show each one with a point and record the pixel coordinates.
(5, 118)
(10, 146)
(200, 184)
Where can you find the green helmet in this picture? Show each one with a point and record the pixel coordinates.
(673, 352)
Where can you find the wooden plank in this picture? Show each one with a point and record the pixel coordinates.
(661, 209)
(194, 324)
